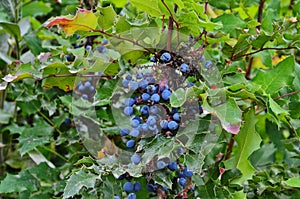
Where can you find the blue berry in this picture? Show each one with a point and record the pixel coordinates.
(151, 89)
(153, 110)
(134, 133)
(69, 58)
(81, 87)
(124, 131)
(153, 128)
(144, 110)
(132, 196)
(145, 96)
(136, 159)
(130, 143)
(176, 116)
(151, 120)
(139, 75)
(145, 127)
(180, 151)
(128, 110)
(184, 68)
(161, 164)
(104, 41)
(88, 47)
(187, 173)
(166, 94)
(87, 84)
(135, 123)
(67, 121)
(137, 186)
(125, 83)
(165, 57)
(101, 49)
(129, 101)
(128, 77)
(133, 85)
(155, 97)
(182, 181)
(91, 88)
(153, 59)
(208, 64)
(116, 197)
(77, 36)
(164, 124)
(172, 125)
(151, 187)
(85, 96)
(143, 84)
(173, 166)
(128, 187)
(190, 84)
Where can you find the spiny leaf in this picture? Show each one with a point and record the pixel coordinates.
(273, 80)
(18, 183)
(77, 181)
(228, 113)
(84, 20)
(248, 141)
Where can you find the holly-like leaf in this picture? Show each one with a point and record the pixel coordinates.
(65, 81)
(32, 137)
(293, 182)
(274, 79)
(248, 141)
(77, 181)
(178, 98)
(23, 181)
(84, 20)
(228, 113)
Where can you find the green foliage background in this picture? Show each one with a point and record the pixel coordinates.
(256, 51)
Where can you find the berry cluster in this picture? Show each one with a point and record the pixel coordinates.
(86, 89)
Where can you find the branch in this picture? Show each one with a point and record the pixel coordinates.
(230, 147)
(287, 94)
(259, 50)
(260, 12)
(125, 39)
(249, 68)
(73, 74)
(171, 14)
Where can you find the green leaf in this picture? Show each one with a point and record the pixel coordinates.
(34, 43)
(11, 28)
(274, 79)
(263, 156)
(77, 181)
(107, 18)
(38, 135)
(119, 3)
(30, 9)
(230, 23)
(228, 113)
(293, 182)
(151, 7)
(5, 116)
(65, 83)
(178, 98)
(247, 142)
(23, 181)
(45, 173)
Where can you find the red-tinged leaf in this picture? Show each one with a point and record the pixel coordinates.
(84, 20)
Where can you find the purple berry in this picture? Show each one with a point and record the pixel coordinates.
(173, 166)
(135, 123)
(124, 131)
(131, 196)
(176, 116)
(165, 57)
(134, 133)
(137, 187)
(182, 181)
(161, 164)
(128, 110)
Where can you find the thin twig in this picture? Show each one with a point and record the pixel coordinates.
(260, 12)
(249, 68)
(171, 14)
(170, 31)
(259, 50)
(229, 147)
(287, 94)
(72, 75)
